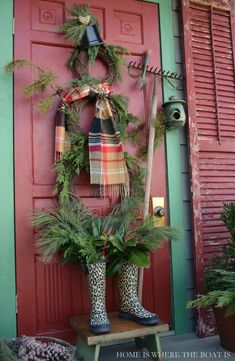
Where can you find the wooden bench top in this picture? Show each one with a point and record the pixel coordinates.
(120, 329)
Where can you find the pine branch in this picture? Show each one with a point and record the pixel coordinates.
(136, 174)
(116, 57)
(45, 79)
(85, 81)
(74, 29)
(16, 64)
(92, 53)
(45, 104)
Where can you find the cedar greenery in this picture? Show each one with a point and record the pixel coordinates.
(124, 118)
(71, 164)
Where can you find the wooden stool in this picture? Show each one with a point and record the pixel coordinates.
(88, 344)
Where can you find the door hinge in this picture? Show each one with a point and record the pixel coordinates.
(13, 26)
(16, 304)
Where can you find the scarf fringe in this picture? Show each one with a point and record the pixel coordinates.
(110, 190)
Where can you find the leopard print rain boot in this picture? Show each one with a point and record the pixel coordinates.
(130, 306)
(99, 322)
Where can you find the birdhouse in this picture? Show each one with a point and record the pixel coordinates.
(174, 111)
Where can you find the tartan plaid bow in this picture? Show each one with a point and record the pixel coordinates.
(108, 171)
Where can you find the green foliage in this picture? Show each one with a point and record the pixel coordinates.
(74, 30)
(72, 59)
(45, 104)
(136, 174)
(133, 239)
(161, 127)
(16, 64)
(45, 79)
(85, 81)
(5, 352)
(80, 236)
(71, 164)
(228, 217)
(65, 228)
(219, 277)
(92, 53)
(221, 299)
(120, 107)
(115, 53)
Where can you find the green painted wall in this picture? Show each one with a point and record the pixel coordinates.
(175, 194)
(7, 249)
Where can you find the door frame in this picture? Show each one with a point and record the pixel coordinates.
(174, 179)
(7, 237)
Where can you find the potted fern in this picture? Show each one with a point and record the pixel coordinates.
(118, 239)
(219, 282)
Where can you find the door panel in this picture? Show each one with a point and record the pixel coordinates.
(49, 294)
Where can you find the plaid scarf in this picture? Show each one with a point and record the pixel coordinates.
(62, 137)
(108, 171)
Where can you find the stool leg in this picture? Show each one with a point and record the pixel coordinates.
(85, 352)
(152, 343)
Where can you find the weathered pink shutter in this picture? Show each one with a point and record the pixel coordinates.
(209, 62)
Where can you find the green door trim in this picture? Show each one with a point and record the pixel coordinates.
(7, 237)
(174, 178)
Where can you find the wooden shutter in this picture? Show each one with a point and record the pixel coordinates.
(209, 63)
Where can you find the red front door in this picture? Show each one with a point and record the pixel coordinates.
(49, 294)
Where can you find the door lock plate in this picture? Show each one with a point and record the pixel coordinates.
(158, 203)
